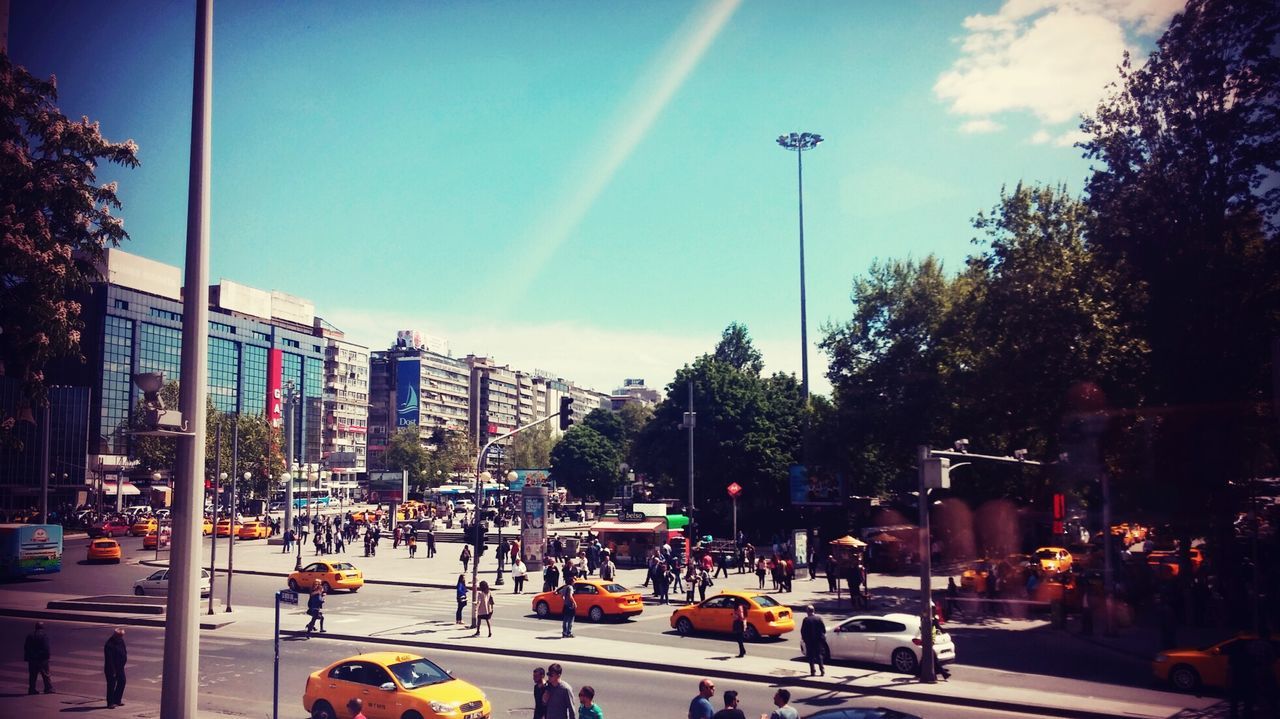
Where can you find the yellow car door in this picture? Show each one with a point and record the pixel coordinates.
(716, 614)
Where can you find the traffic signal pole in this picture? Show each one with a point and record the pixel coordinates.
(478, 536)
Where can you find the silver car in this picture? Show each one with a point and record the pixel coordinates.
(157, 584)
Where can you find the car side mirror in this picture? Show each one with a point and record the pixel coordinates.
(388, 687)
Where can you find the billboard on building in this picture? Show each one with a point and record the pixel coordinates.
(819, 488)
(408, 379)
(388, 486)
(275, 389)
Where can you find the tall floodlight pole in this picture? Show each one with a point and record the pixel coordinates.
(690, 421)
(181, 679)
(799, 142)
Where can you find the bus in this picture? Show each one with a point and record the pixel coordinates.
(27, 549)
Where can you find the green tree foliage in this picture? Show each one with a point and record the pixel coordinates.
(748, 431)
(634, 416)
(586, 463)
(55, 224)
(405, 451)
(1186, 206)
(532, 448)
(608, 424)
(452, 453)
(736, 350)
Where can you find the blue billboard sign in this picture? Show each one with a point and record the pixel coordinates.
(408, 379)
(820, 488)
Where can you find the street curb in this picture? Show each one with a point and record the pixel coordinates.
(259, 573)
(724, 674)
(100, 618)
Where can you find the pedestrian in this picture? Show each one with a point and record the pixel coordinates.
(413, 545)
(465, 557)
(760, 571)
(551, 576)
(700, 707)
(339, 541)
(315, 607)
(740, 626)
(568, 611)
(558, 696)
(784, 710)
(588, 709)
(814, 634)
(731, 710)
(518, 574)
(462, 598)
(395, 538)
(116, 655)
(355, 705)
(539, 693)
(662, 583)
(690, 583)
(704, 581)
(35, 651)
(431, 540)
(607, 567)
(484, 607)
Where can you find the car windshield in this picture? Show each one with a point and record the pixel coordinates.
(419, 673)
(1046, 554)
(766, 601)
(615, 588)
(343, 567)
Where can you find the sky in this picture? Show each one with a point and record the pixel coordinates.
(588, 188)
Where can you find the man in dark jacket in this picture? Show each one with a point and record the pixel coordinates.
(36, 653)
(116, 656)
(814, 634)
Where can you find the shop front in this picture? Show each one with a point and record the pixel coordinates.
(630, 537)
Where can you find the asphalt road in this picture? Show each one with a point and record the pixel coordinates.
(989, 656)
(236, 676)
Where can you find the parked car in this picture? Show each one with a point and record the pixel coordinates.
(892, 639)
(157, 584)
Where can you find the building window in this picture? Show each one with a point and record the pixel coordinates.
(219, 327)
(120, 305)
(166, 314)
(117, 347)
(261, 336)
(290, 343)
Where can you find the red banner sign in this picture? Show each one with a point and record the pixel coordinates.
(275, 391)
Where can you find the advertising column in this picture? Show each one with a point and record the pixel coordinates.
(533, 525)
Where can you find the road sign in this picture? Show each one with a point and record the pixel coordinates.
(735, 489)
(288, 597)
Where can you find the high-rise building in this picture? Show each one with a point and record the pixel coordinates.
(494, 406)
(411, 385)
(635, 391)
(344, 444)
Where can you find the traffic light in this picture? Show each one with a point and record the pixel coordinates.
(478, 537)
(566, 413)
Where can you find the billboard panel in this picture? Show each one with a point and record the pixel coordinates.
(533, 525)
(388, 486)
(818, 488)
(408, 379)
(275, 387)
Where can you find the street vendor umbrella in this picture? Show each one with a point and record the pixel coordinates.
(847, 541)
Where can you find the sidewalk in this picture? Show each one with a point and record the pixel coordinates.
(48, 705)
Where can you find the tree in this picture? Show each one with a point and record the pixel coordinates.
(634, 416)
(1185, 206)
(532, 448)
(586, 463)
(736, 350)
(405, 451)
(452, 453)
(55, 224)
(608, 424)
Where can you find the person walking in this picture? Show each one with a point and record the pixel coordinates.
(518, 574)
(413, 544)
(35, 651)
(740, 626)
(465, 557)
(462, 598)
(315, 608)
(558, 696)
(784, 710)
(568, 611)
(731, 710)
(814, 634)
(587, 707)
(690, 584)
(431, 540)
(484, 607)
(700, 706)
(539, 693)
(115, 656)
(607, 568)
(704, 581)
(760, 571)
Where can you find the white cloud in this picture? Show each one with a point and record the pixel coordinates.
(599, 358)
(1041, 137)
(1050, 58)
(980, 126)
(1070, 138)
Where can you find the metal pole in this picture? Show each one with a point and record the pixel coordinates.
(231, 521)
(275, 687)
(927, 673)
(804, 325)
(735, 518)
(475, 537)
(231, 545)
(181, 680)
(690, 422)
(288, 462)
(1108, 574)
(44, 462)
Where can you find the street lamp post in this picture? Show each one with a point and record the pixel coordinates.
(510, 477)
(155, 479)
(799, 142)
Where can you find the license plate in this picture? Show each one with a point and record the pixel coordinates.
(475, 715)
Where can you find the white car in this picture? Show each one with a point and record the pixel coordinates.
(892, 639)
(163, 514)
(464, 505)
(157, 584)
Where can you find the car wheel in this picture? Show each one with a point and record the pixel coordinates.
(293, 585)
(542, 609)
(323, 710)
(684, 627)
(411, 715)
(327, 589)
(596, 614)
(750, 633)
(138, 592)
(904, 660)
(355, 589)
(117, 561)
(1184, 678)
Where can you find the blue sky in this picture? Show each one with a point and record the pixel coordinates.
(591, 188)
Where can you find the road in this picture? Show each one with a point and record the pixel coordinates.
(236, 676)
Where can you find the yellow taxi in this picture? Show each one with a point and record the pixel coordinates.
(164, 536)
(393, 685)
(1189, 669)
(766, 617)
(332, 575)
(253, 530)
(593, 599)
(206, 526)
(366, 516)
(224, 528)
(1052, 560)
(103, 550)
(142, 526)
(1167, 564)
